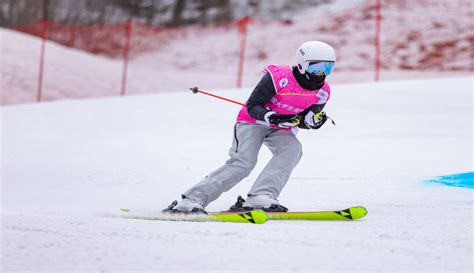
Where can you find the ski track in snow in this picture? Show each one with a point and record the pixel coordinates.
(67, 164)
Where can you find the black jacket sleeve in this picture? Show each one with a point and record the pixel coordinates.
(263, 93)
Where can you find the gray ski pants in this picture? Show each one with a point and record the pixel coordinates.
(248, 139)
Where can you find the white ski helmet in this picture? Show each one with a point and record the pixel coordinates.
(314, 51)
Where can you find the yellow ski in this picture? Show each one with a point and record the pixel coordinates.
(251, 217)
(349, 214)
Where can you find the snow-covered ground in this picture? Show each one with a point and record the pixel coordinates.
(68, 164)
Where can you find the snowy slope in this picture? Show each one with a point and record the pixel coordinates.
(67, 164)
(68, 72)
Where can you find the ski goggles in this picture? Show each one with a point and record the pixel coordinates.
(318, 67)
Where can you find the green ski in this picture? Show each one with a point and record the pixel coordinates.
(349, 214)
(252, 217)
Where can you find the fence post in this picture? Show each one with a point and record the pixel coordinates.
(242, 25)
(377, 45)
(44, 34)
(126, 49)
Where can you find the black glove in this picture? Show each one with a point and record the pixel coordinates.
(282, 120)
(313, 120)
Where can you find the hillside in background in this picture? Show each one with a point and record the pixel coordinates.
(419, 39)
(155, 12)
(417, 35)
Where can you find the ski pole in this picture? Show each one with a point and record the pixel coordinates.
(295, 120)
(196, 90)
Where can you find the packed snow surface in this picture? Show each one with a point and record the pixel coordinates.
(67, 166)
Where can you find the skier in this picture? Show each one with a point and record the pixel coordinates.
(285, 99)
